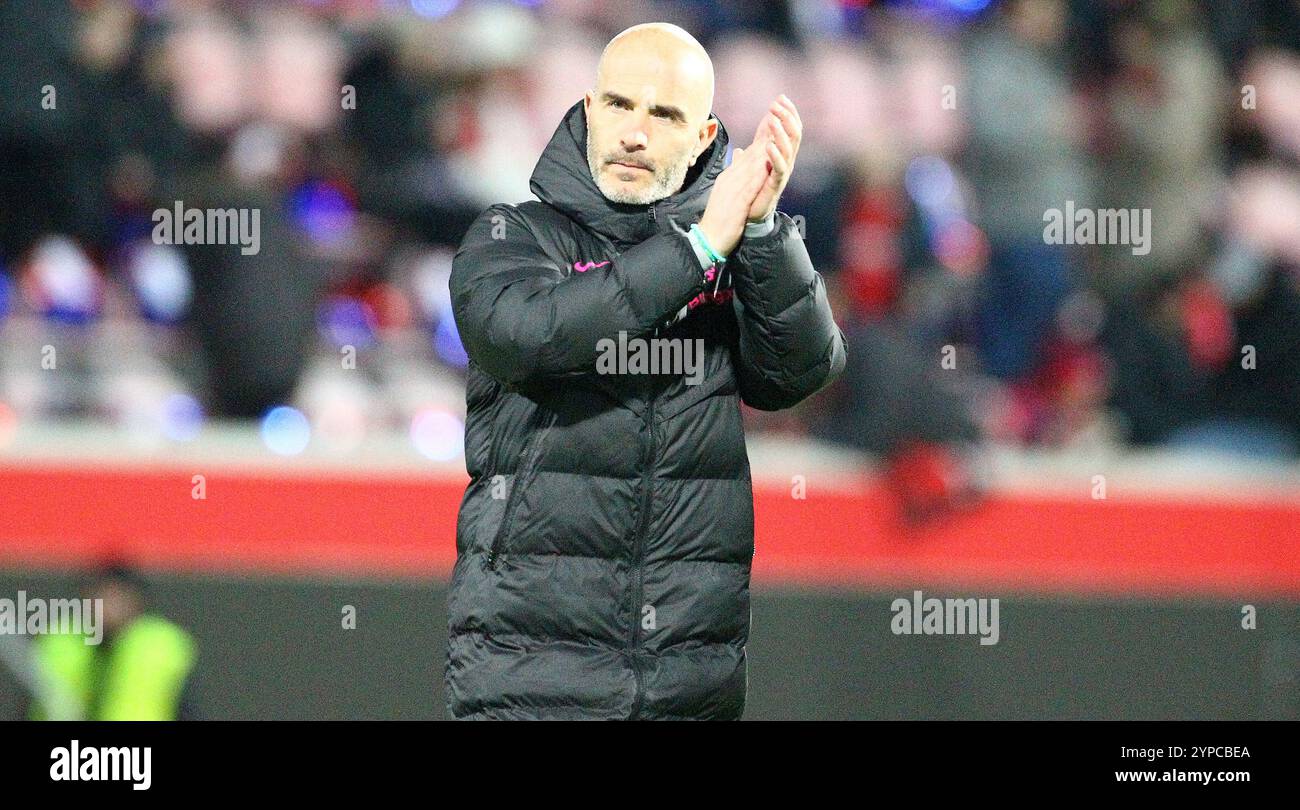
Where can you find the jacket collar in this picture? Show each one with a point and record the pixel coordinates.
(563, 180)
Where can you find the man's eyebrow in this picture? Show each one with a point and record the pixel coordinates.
(672, 112)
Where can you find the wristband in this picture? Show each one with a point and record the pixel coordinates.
(714, 256)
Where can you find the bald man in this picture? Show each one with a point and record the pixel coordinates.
(614, 326)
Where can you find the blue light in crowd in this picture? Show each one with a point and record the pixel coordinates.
(322, 210)
(438, 435)
(285, 430)
(969, 6)
(446, 342)
(161, 279)
(66, 284)
(960, 8)
(347, 322)
(929, 180)
(6, 293)
(434, 8)
(182, 417)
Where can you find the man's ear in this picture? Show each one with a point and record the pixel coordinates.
(708, 133)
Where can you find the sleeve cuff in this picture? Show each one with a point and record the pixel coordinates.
(705, 261)
(761, 228)
(752, 229)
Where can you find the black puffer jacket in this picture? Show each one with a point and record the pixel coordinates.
(605, 539)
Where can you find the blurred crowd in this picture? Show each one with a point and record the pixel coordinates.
(369, 133)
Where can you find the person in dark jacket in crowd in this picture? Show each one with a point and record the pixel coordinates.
(613, 327)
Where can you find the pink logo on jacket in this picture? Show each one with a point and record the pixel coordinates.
(583, 267)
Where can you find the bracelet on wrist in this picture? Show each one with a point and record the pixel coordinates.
(698, 234)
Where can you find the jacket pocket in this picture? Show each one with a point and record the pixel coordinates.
(540, 425)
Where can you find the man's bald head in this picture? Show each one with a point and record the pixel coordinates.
(674, 49)
(650, 109)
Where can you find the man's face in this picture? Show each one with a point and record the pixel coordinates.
(644, 124)
(121, 603)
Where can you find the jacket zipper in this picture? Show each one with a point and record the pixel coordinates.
(638, 547)
(638, 551)
(528, 456)
(654, 220)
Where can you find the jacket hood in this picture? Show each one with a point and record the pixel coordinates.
(563, 180)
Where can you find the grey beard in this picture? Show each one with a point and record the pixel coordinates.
(666, 182)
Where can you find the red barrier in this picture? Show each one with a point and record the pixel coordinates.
(402, 524)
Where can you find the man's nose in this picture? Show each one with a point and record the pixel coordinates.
(634, 138)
